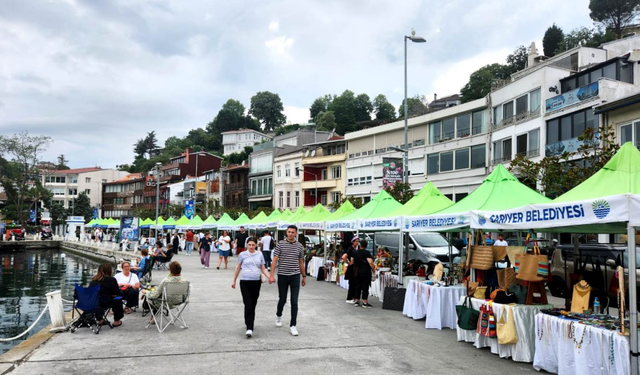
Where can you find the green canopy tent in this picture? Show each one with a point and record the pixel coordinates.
(241, 221)
(272, 219)
(170, 223)
(379, 206)
(183, 223)
(146, 223)
(607, 202)
(259, 221)
(314, 219)
(225, 222)
(282, 217)
(90, 223)
(196, 222)
(159, 223)
(113, 224)
(284, 222)
(209, 222)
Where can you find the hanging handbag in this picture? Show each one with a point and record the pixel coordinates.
(481, 255)
(532, 267)
(506, 277)
(480, 292)
(471, 287)
(505, 298)
(520, 292)
(499, 253)
(580, 299)
(487, 321)
(494, 292)
(506, 328)
(467, 316)
(514, 251)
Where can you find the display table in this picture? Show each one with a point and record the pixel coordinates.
(314, 265)
(437, 303)
(524, 317)
(555, 352)
(384, 279)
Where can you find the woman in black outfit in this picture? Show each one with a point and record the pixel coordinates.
(363, 267)
(108, 290)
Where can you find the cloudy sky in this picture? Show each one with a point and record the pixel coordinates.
(98, 74)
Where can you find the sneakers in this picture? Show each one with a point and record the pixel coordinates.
(278, 321)
(367, 305)
(294, 330)
(207, 267)
(356, 304)
(249, 333)
(350, 301)
(203, 266)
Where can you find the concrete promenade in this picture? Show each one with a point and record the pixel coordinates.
(335, 338)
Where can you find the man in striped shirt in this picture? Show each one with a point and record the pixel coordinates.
(288, 257)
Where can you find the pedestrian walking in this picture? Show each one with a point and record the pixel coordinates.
(267, 244)
(241, 241)
(175, 241)
(205, 250)
(348, 275)
(363, 266)
(289, 254)
(225, 249)
(250, 266)
(189, 244)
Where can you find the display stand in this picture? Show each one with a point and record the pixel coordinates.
(536, 287)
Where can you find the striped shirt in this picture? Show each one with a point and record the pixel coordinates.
(289, 254)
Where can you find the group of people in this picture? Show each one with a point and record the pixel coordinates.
(359, 271)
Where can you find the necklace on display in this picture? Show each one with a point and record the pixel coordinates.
(540, 330)
(573, 333)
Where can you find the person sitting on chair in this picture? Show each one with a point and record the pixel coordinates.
(129, 286)
(108, 291)
(164, 257)
(139, 269)
(154, 297)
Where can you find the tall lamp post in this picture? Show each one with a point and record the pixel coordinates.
(157, 173)
(195, 184)
(316, 179)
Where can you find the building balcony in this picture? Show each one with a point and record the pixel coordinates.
(328, 159)
(322, 184)
(235, 187)
(502, 160)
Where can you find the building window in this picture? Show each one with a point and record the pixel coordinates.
(323, 200)
(73, 191)
(448, 129)
(433, 163)
(416, 166)
(254, 187)
(630, 133)
(463, 125)
(288, 199)
(280, 199)
(87, 180)
(462, 158)
(297, 199)
(336, 172)
(278, 172)
(497, 115)
(479, 124)
(534, 100)
(360, 175)
(323, 174)
(336, 197)
(478, 158)
(297, 169)
(570, 126)
(434, 132)
(287, 170)
(521, 105)
(87, 191)
(507, 110)
(502, 151)
(446, 161)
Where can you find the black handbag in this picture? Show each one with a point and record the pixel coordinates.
(393, 299)
(505, 298)
(467, 316)
(320, 276)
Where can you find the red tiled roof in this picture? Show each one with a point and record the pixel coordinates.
(336, 138)
(77, 170)
(233, 167)
(132, 176)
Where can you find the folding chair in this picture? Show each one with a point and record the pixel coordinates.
(86, 304)
(144, 275)
(175, 300)
(163, 264)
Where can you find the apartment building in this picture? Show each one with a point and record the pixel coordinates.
(261, 175)
(449, 147)
(121, 197)
(191, 163)
(67, 184)
(235, 186)
(323, 171)
(234, 141)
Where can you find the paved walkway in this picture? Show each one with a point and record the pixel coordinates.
(335, 338)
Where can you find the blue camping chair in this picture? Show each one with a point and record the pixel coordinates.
(86, 304)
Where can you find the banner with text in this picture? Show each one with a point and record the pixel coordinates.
(634, 202)
(390, 223)
(129, 228)
(391, 171)
(611, 209)
(311, 225)
(436, 223)
(341, 226)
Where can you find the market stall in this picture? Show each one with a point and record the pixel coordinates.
(436, 303)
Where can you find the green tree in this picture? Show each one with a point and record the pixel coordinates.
(400, 191)
(238, 158)
(287, 129)
(58, 213)
(344, 110)
(231, 117)
(15, 175)
(326, 121)
(364, 107)
(82, 207)
(518, 59)
(614, 14)
(146, 145)
(586, 37)
(320, 105)
(62, 163)
(480, 81)
(417, 107)
(383, 109)
(561, 173)
(267, 108)
(552, 40)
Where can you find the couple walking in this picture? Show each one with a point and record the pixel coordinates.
(288, 258)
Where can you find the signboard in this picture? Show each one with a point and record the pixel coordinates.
(436, 223)
(379, 224)
(129, 228)
(572, 97)
(391, 171)
(341, 226)
(32, 216)
(189, 209)
(94, 213)
(2, 226)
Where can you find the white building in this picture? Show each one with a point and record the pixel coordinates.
(234, 141)
(66, 185)
(287, 171)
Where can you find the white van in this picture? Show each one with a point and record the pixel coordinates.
(425, 248)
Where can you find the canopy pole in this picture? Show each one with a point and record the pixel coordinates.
(400, 257)
(472, 274)
(450, 256)
(633, 303)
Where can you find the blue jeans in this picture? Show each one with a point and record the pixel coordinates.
(189, 247)
(267, 258)
(284, 283)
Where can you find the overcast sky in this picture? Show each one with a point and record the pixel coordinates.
(98, 74)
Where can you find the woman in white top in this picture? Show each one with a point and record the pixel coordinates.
(250, 266)
(225, 249)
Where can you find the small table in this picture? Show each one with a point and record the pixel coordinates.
(438, 304)
(558, 354)
(524, 317)
(384, 279)
(314, 265)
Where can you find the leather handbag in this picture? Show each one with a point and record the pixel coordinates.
(506, 277)
(505, 298)
(487, 321)
(471, 287)
(480, 292)
(580, 299)
(393, 299)
(506, 328)
(467, 316)
(520, 292)
(493, 294)
(481, 255)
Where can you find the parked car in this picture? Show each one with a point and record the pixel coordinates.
(560, 283)
(424, 248)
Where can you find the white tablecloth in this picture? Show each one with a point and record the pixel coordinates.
(438, 304)
(524, 317)
(383, 280)
(558, 354)
(314, 265)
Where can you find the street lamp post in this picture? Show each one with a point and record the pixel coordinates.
(195, 200)
(316, 179)
(415, 39)
(157, 171)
